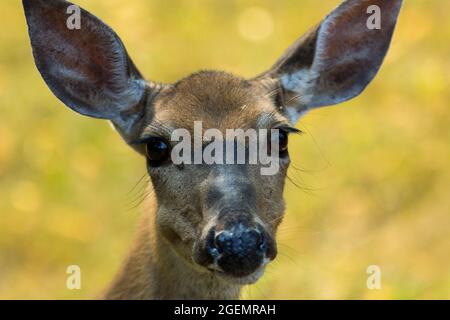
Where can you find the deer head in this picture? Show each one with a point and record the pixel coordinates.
(218, 218)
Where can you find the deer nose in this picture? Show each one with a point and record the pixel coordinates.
(240, 242)
(239, 250)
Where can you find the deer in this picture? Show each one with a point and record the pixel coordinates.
(207, 230)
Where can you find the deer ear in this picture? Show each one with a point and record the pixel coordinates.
(335, 61)
(88, 68)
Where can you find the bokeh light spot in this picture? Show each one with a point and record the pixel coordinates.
(26, 196)
(255, 24)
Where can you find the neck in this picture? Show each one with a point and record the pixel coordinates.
(153, 270)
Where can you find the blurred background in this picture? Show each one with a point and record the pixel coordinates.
(370, 180)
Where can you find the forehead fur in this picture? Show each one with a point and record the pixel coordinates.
(218, 99)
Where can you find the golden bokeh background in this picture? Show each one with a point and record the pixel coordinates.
(372, 174)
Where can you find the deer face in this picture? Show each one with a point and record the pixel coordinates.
(220, 218)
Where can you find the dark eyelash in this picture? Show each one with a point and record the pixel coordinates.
(144, 140)
(289, 129)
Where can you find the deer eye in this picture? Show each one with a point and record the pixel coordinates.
(282, 137)
(283, 140)
(157, 151)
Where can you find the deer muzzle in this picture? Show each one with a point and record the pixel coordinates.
(236, 246)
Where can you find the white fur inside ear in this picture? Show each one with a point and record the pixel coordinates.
(294, 114)
(300, 82)
(131, 95)
(129, 98)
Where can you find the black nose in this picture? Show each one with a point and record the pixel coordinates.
(240, 242)
(239, 250)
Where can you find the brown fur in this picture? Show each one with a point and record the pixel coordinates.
(154, 271)
(160, 265)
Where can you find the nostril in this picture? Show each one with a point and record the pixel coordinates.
(214, 252)
(262, 248)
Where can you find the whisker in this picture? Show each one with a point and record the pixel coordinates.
(139, 201)
(297, 167)
(138, 193)
(293, 98)
(272, 93)
(322, 154)
(141, 179)
(302, 187)
(275, 219)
